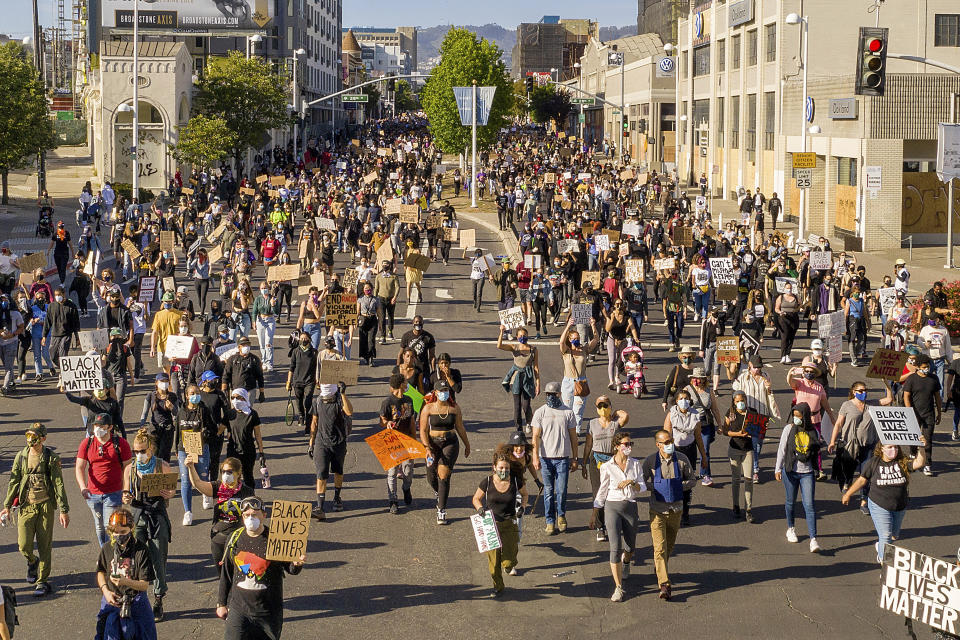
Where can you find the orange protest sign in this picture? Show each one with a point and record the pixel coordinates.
(393, 447)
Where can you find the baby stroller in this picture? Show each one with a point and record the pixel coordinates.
(44, 224)
(635, 382)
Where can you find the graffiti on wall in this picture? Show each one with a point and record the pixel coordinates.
(846, 207)
(925, 203)
(151, 153)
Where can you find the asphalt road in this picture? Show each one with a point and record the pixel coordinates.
(371, 574)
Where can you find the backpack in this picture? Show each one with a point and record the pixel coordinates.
(10, 608)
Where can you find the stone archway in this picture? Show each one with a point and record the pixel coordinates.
(151, 149)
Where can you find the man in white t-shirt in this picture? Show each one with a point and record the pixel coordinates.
(902, 280)
(8, 268)
(11, 326)
(554, 442)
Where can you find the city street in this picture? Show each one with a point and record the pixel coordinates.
(369, 572)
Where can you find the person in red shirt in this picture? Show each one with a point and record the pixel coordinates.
(99, 470)
(270, 250)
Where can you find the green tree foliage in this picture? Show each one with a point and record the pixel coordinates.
(373, 99)
(549, 105)
(405, 98)
(25, 125)
(245, 94)
(520, 107)
(204, 141)
(464, 59)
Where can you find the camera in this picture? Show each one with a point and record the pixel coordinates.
(126, 604)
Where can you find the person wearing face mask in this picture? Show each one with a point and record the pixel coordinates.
(386, 287)
(505, 496)
(265, 310)
(153, 524)
(99, 471)
(124, 574)
(226, 491)
(193, 416)
(243, 369)
(102, 401)
(423, 345)
(139, 315)
(740, 454)
(667, 473)
(888, 475)
(446, 373)
(441, 423)
(11, 327)
(61, 325)
(165, 266)
(250, 596)
(597, 449)
(922, 392)
(397, 412)
(678, 378)
(118, 364)
(684, 425)
(797, 466)
(523, 379)
(575, 386)
(705, 403)
(823, 367)
(756, 385)
(620, 480)
(857, 321)
(853, 437)
(36, 487)
(554, 450)
(206, 359)
(166, 322)
(368, 306)
(478, 275)
(115, 315)
(245, 438)
(302, 376)
(935, 340)
(160, 407)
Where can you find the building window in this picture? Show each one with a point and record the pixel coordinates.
(769, 119)
(718, 136)
(735, 122)
(770, 37)
(751, 127)
(946, 30)
(847, 171)
(721, 55)
(751, 48)
(735, 52)
(701, 61)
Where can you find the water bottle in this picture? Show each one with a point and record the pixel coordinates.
(4, 520)
(264, 477)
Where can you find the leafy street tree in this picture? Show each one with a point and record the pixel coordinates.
(25, 125)
(373, 98)
(549, 105)
(204, 141)
(246, 95)
(520, 107)
(404, 97)
(464, 59)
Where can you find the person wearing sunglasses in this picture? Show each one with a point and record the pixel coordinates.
(621, 480)
(228, 490)
(250, 598)
(152, 522)
(598, 447)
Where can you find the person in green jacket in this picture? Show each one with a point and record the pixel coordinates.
(36, 482)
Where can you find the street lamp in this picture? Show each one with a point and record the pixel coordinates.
(555, 71)
(252, 42)
(795, 19)
(296, 98)
(676, 188)
(668, 49)
(577, 67)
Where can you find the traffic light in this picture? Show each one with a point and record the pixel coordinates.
(872, 62)
(642, 125)
(529, 84)
(626, 128)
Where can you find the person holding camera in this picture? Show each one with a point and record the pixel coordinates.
(124, 574)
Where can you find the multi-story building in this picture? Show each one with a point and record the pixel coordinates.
(741, 106)
(388, 51)
(551, 44)
(661, 17)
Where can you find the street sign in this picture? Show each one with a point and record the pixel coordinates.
(354, 98)
(805, 160)
(804, 178)
(582, 101)
(583, 118)
(874, 177)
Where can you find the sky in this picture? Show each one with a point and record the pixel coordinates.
(393, 13)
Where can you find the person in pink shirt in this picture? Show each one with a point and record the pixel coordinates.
(807, 389)
(270, 249)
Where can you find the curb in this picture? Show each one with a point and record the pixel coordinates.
(507, 238)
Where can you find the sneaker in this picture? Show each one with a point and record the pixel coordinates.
(561, 524)
(528, 429)
(317, 514)
(512, 572)
(791, 535)
(158, 608)
(337, 504)
(601, 535)
(783, 360)
(927, 471)
(188, 518)
(665, 592)
(407, 497)
(38, 378)
(394, 509)
(207, 502)
(750, 518)
(549, 529)
(441, 517)
(814, 545)
(32, 571)
(617, 595)
(23, 379)
(707, 481)
(736, 512)
(787, 360)
(626, 565)
(672, 348)
(864, 509)
(42, 589)
(821, 476)
(496, 594)
(955, 435)
(756, 477)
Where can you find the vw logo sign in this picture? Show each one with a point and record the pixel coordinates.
(666, 64)
(698, 26)
(808, 110)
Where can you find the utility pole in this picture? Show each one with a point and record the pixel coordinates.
(38, 63)
(473, 145)
(135, 164)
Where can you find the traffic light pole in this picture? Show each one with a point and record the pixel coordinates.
(473, 150)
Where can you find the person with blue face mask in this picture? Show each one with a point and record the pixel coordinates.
(740, 453)
(193, 417)
(667, 473)
(441, 423)
(523, 378)
(684, 424)
(574, 355)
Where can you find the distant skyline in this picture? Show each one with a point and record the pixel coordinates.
(394, 13)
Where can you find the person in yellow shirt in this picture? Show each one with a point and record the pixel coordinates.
(166, 322)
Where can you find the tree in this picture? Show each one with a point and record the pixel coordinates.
(373, 99)
(464, 59)
(404, 97)
(550, 105)
(204, 141)
(25, 125)
(520, 107)
(247, 96)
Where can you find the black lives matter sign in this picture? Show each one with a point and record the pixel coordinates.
(896, 425)
(917, 586)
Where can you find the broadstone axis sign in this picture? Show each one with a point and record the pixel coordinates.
(217, 17)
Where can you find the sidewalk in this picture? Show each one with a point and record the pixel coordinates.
(68, 168)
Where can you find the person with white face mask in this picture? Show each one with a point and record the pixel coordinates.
(245, 439)
(251, 602)
(244, 369)
(684, 424)
(621, 481)
(99, 472)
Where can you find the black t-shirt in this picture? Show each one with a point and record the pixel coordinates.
(888, 483)
(502, 505)
(954, 368)
(332, 424)
(62, 247)
(922, 390)
(740, 443)
(421, 345)
(241, 431)
(132, 562)
(226, 513)
(249, 583)
(399, 411)
(216, 405)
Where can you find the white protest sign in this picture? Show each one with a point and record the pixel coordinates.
(830, 324)
(888, 298)
(325, 223)
(723, 273)
(834, 349)
(485, 531)
(81, 373)
(224, 348)
(634, 270)
(603, 243)
(701, 203)
(896, 425)
(631, 229)
(925, 588)
(531, 261)
(582, 313)
(513, 318)
(821, 260)
(179, 347)
(94, 339)
(568, 246)
(664, 264)
(782, 284)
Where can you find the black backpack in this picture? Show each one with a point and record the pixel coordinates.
(10, 608)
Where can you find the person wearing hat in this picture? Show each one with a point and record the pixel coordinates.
(166, 322)
(814, 395)
(250, 597)
(183, 302)
(756, 386)
(901, 281)
(124, 575)
(478, 275)
(206, 359)
(519, 450)
(115, 315)
(679, 377)
(441, 424)
(507, 283)
(823, 366)
(36, 488)
(705, 403)
(99, 471)
(554, 454)
(243, 369)
(397, 412)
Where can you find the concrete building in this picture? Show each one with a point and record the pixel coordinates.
(739, 93)
(661, 17)
(388, 51)
(552, 43)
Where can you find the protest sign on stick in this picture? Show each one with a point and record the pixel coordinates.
(887, 364)
(513, 318)
(334, 371)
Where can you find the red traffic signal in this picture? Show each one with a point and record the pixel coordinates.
(875, 45)
(871, 62)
